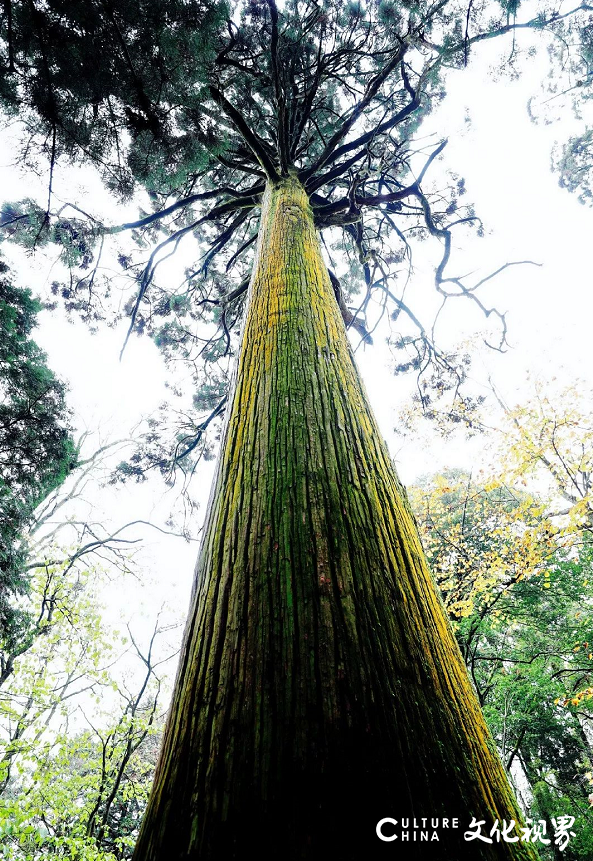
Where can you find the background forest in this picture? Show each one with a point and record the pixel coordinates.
(105, 465)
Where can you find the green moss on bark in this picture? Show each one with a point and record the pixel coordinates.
(320, 688)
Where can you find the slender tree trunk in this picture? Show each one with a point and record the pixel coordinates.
(320, 688)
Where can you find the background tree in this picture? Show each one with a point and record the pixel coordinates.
(80, 718)
(80, 702)
(64, 532)
(520, 606)
(549, 437)
(571, 88)
(36, 447)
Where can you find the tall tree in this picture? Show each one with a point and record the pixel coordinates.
(318, 663)
(320, 686)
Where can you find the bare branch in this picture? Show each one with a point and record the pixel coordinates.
(200, 430)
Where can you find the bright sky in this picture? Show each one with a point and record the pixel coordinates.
(505, 160)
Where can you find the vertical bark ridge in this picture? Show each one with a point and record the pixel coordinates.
(320, 687)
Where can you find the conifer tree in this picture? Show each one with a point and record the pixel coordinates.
(36, 447)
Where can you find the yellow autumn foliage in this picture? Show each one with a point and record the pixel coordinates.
(480, 539)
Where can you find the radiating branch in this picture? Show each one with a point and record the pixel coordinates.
(251, 139)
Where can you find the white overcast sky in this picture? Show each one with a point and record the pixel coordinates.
(505, 160)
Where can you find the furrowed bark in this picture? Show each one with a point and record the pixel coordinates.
(320, 687)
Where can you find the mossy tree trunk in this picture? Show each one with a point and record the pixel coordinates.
(320, 688)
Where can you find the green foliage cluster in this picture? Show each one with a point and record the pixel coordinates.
(36, 447)
(574, 164)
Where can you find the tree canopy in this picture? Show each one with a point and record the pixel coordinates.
(198, 105)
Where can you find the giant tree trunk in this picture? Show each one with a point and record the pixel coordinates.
(320, 688)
